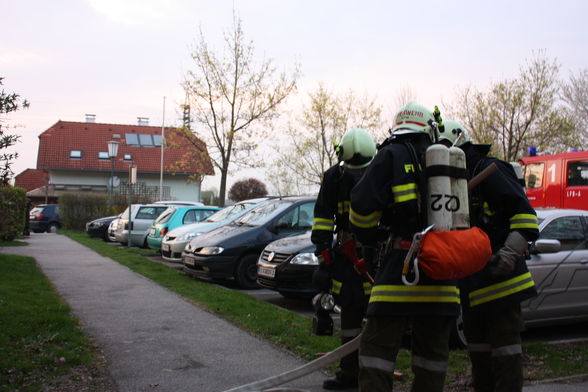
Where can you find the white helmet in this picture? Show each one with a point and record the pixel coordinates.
(450, 130)
(414, 118)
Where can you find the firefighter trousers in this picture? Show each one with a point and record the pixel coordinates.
(494, 347)
(382, 339)
(351, 320)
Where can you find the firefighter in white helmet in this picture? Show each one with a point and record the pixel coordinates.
(390, 193)
(491, 297)
(351, 291)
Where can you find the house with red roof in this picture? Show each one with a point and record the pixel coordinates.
(74, 157)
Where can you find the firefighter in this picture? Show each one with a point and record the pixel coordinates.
(331, 215)
(390, 191)
(491, 297)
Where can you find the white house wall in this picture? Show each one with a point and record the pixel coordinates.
(180, 189)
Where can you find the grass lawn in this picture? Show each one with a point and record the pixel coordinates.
(41, 345)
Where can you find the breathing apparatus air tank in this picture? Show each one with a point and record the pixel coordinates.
(460, 216)
(438, 188)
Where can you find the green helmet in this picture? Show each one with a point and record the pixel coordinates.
(450, 130)
(356, 148)
(414, 118)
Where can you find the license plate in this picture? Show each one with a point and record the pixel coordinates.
(188, 261)
(165, 247)
(268, 272)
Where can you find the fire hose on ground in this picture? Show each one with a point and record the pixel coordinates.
(317, 364)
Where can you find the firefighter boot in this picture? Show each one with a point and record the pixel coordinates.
(340, 382)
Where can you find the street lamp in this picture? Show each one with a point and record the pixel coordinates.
(112, 153)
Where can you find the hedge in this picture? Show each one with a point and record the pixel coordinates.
(14, 213)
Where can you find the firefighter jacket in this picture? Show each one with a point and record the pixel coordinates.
(390, 191)
(331, 215)
(498, 206)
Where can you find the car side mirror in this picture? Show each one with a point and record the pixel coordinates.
(546, 246)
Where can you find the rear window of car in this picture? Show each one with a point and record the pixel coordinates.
(36, 210)
(165, 215)
(149, 212)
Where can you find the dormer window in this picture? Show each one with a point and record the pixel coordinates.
(77, 154)
(103, 155)
(128, 157)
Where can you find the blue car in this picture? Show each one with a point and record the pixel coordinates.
(173, 217)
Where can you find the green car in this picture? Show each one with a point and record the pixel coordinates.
(173, 217)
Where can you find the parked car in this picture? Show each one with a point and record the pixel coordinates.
(44, 218)
(142, 217)
(112, 229)
(231, 251)
(558, 263)
(99, 227)
(176, 240)
(286, 266)
(173, 217)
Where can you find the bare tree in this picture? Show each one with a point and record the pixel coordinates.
(517, 113)
(9, 102)
(309, 150)
(575, 94)
(229, 95)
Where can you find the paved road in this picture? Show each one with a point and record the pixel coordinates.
(154, 339)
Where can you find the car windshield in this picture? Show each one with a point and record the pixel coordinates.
(228, 212)
(165, 215)
(263, 213)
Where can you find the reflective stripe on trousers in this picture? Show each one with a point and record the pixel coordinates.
(512, 349)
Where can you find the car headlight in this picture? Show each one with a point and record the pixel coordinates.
(305, 259)
(187, 236)
(210, 250)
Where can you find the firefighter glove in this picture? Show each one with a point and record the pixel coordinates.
(321, 278)
(504, 261)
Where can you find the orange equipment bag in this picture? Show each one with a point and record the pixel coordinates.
(448, 255)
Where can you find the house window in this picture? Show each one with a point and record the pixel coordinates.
(75, 154)
(116, 136)
(128, 157)
(132, 139)
(146, 140)
(103, 155)
(157, 140)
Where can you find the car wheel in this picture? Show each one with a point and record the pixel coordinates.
(246, 272)
(458, 339)
(52, 228)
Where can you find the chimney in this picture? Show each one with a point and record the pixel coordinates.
(90, 118)
(142, 120)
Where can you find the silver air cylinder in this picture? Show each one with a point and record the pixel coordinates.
(439, 189)
(460, 216)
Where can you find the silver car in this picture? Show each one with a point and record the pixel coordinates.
(142, 217)
(559, 266)
(175, 241)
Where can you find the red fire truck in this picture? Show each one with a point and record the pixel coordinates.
(557, 181)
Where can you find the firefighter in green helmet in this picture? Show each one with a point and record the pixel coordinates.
(355, 151)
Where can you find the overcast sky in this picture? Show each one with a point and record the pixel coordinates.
(119, 58)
